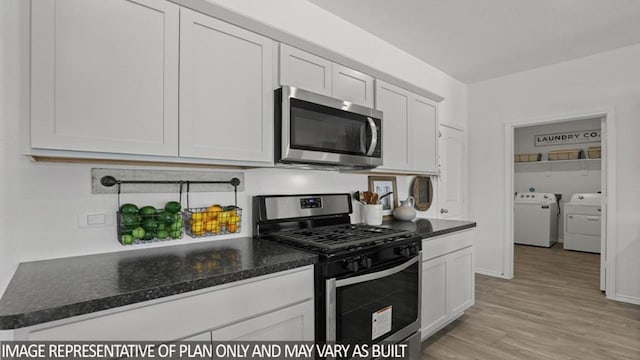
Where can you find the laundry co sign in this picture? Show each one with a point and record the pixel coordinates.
(568, 137)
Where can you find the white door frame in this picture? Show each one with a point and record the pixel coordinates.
(608, 258)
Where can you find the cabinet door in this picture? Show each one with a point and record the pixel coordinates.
(294, 323)
(395, 103)
(353, 86)
(104, 76)
(226, 98)
(434, 295)
(306, 71)
(451, 181)
(205, 336)
(462, 280)
(424, 135)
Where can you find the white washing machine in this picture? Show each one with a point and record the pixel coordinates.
(536, 219)
(582, 223)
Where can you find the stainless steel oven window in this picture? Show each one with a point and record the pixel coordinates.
(407, 310)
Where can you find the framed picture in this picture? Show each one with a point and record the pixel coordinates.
(383, 185)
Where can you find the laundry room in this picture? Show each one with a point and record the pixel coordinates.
(558, 182)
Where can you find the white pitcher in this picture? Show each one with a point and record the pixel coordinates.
(405, 211)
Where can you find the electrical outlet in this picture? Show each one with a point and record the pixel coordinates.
(91, 219)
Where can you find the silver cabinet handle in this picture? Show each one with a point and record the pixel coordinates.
(441, 211)
(599, 209)
(374, 136)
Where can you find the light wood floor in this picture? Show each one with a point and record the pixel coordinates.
(551, 309)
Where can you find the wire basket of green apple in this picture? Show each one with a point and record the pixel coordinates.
(145, 224)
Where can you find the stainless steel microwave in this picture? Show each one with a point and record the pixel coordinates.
(314, 130)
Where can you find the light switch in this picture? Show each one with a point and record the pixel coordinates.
(96, 219)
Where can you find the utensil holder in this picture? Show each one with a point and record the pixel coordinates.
(372, 214)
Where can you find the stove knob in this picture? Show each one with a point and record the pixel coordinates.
(352, 266)
(365, 263)
(405, 251)
(414, 249)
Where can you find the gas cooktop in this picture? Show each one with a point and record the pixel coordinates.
(342, 236)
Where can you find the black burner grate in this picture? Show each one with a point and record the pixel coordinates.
(339, 236)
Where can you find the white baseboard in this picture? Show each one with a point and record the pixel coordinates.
(492, 273)
(624, 298)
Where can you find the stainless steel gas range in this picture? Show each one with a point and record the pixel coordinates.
(368, 281)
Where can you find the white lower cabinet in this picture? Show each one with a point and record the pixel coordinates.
(293, 323)
(272, 307)
(434, 294)
(204, 337)
(447, 279)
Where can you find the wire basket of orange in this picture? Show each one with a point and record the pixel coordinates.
(213, 220)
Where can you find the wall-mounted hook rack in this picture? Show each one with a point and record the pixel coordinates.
(110, 181)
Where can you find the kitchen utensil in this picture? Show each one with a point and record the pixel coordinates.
(372, 214)
(357, 196)
(405, 211)
(374, 199)
(366, 197)
(384, 196)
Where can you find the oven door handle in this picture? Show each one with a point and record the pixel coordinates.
(378, 274)
(374, 136)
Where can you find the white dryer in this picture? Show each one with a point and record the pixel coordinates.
(536, 219)
(582, 223)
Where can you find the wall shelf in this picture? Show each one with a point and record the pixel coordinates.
(576, 161)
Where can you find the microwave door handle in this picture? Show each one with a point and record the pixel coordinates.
(374, 136)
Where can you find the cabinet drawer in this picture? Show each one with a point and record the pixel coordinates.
(185, 316)
(440, 245)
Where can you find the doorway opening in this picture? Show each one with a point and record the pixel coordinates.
(558, 192)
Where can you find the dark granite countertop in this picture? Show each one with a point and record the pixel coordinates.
(48, 290)
(427, 228)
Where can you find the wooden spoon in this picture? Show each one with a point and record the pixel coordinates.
(374, 199)
(366, 197)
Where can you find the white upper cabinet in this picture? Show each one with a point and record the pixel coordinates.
(409, 130)
(353, 86)
(226, 92)
(303, 70)
(104, 76)
(424, 135)
(310, 72)
(394, 103)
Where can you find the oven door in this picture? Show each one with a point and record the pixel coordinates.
(379, 306)
(319, 129)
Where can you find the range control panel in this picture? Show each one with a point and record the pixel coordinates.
(311, 203)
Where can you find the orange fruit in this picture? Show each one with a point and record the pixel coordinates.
(232, 228)
(213, 211)
(210, 225)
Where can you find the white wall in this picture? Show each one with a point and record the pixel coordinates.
(42, 200)
(606, 80)
(566, 178)
(524, 136)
